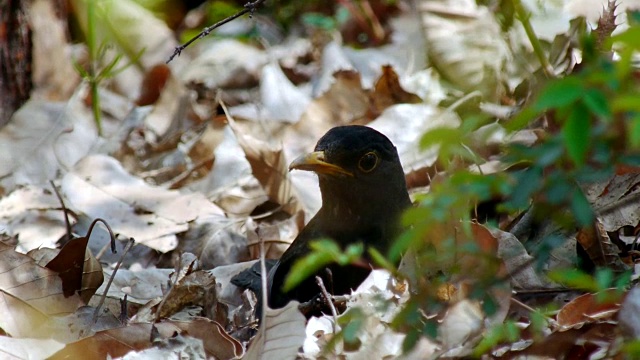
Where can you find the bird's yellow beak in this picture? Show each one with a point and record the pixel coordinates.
(315, 162)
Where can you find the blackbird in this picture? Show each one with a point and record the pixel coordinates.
(363, 195)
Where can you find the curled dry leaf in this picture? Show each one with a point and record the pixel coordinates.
(78, 269)
(268, 165)
(596, 242)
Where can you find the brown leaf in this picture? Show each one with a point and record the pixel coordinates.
(590, 308)
(78, 269)
(388, 91)
(152, 84)
(118, 342)
(268, 165)
(38, 286)
(598, 245)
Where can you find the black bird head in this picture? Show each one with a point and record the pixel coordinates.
(361, 178)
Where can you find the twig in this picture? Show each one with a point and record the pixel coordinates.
(64, 210)
(113, 275)
(249, 7)
(329, 301)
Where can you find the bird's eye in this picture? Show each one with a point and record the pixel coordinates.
(368, 162)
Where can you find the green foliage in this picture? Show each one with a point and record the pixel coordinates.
(323, 253)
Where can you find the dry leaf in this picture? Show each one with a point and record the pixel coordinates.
(466, 45)
(268, 166)
(118, 342)
(38, 286)
(100, 188)
(33, 215)
(280, 335)
(590, 308)
(44, 138)
(78, 269)
(11, 348)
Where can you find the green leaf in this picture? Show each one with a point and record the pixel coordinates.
(574, 278)
(576, 134)
(323, 253)
(634, 131)
(440, 135)
(560, 93)
(597, 103)
(581, 208)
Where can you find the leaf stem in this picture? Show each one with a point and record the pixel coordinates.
(524, 16)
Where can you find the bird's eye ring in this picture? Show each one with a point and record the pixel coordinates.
(368, 162)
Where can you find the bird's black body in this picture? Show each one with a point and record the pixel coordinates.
(363, 195)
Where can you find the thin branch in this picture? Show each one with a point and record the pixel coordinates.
(249, 7)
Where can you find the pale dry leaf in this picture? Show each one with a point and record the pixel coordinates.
(44, 138)
(21, 320)
(38, 286)
(280, 335)
(614, 200)
(223, 63)
(466, 45)
(268, 165)
(176, 348)
(404, 125)
(139, 286)
(229, 170)
(460, 327)
(216, 241)
(100, 188)
(239, 201)
(280, 100)
(33, 214)
(227, 292)
(629, 315)
(169, 111)
(11, 348)
(54, 77)
(334, 59)
(518, 262)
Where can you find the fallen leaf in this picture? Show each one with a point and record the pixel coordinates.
(280, 335)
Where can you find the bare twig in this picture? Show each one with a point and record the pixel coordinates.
(113, 275)
(249, 7)
(329, 301)
(64, 210)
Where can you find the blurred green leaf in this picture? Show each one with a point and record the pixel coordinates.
(576, 134)
(323, 253)
(560, 93)
(575, 279)
(597, 103)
